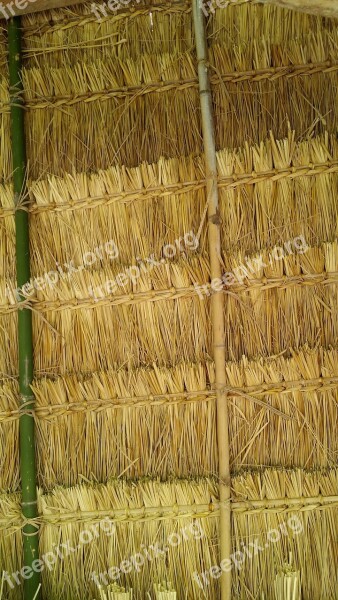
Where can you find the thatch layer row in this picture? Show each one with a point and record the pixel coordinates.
(164, 312)
(252, 22)
(118, 84)
(220, 26)
(79, 30)
(138, 411)
(269, 194)
(152, 514)
(57, 30)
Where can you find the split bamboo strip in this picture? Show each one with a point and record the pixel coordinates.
(63, 20)
(27, 437)
(240, 508)
(105, 297)
(260, 490)
(226, 182)
(217, 301)
(55, 410)
(319, 7)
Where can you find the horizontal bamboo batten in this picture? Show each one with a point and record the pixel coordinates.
(39, 5)
(316, 7)
(93, 502)
(105, 298)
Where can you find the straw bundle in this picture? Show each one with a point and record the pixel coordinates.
(115, 592)
(164, 591)
(270, 193)
(271, 400)
(287, 584)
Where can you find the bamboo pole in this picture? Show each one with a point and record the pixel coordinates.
(217, 298)
(27, 445)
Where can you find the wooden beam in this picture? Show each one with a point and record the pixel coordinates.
(11, 8)
(324, 8)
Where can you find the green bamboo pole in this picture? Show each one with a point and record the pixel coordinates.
(217, 298)
(27, 441)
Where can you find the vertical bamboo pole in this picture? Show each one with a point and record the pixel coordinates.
(217, 298)
(27, 442)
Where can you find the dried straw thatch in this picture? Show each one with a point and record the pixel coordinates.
(125, 383)
(149, 512)
(269, 195)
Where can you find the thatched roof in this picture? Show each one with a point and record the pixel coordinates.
(125, 383)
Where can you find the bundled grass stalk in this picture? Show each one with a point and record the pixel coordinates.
(287, 584)
(115, 592)
(164, 591)
(217, 299)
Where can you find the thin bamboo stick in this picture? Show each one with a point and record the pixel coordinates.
(27, 444)
(217, 299)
